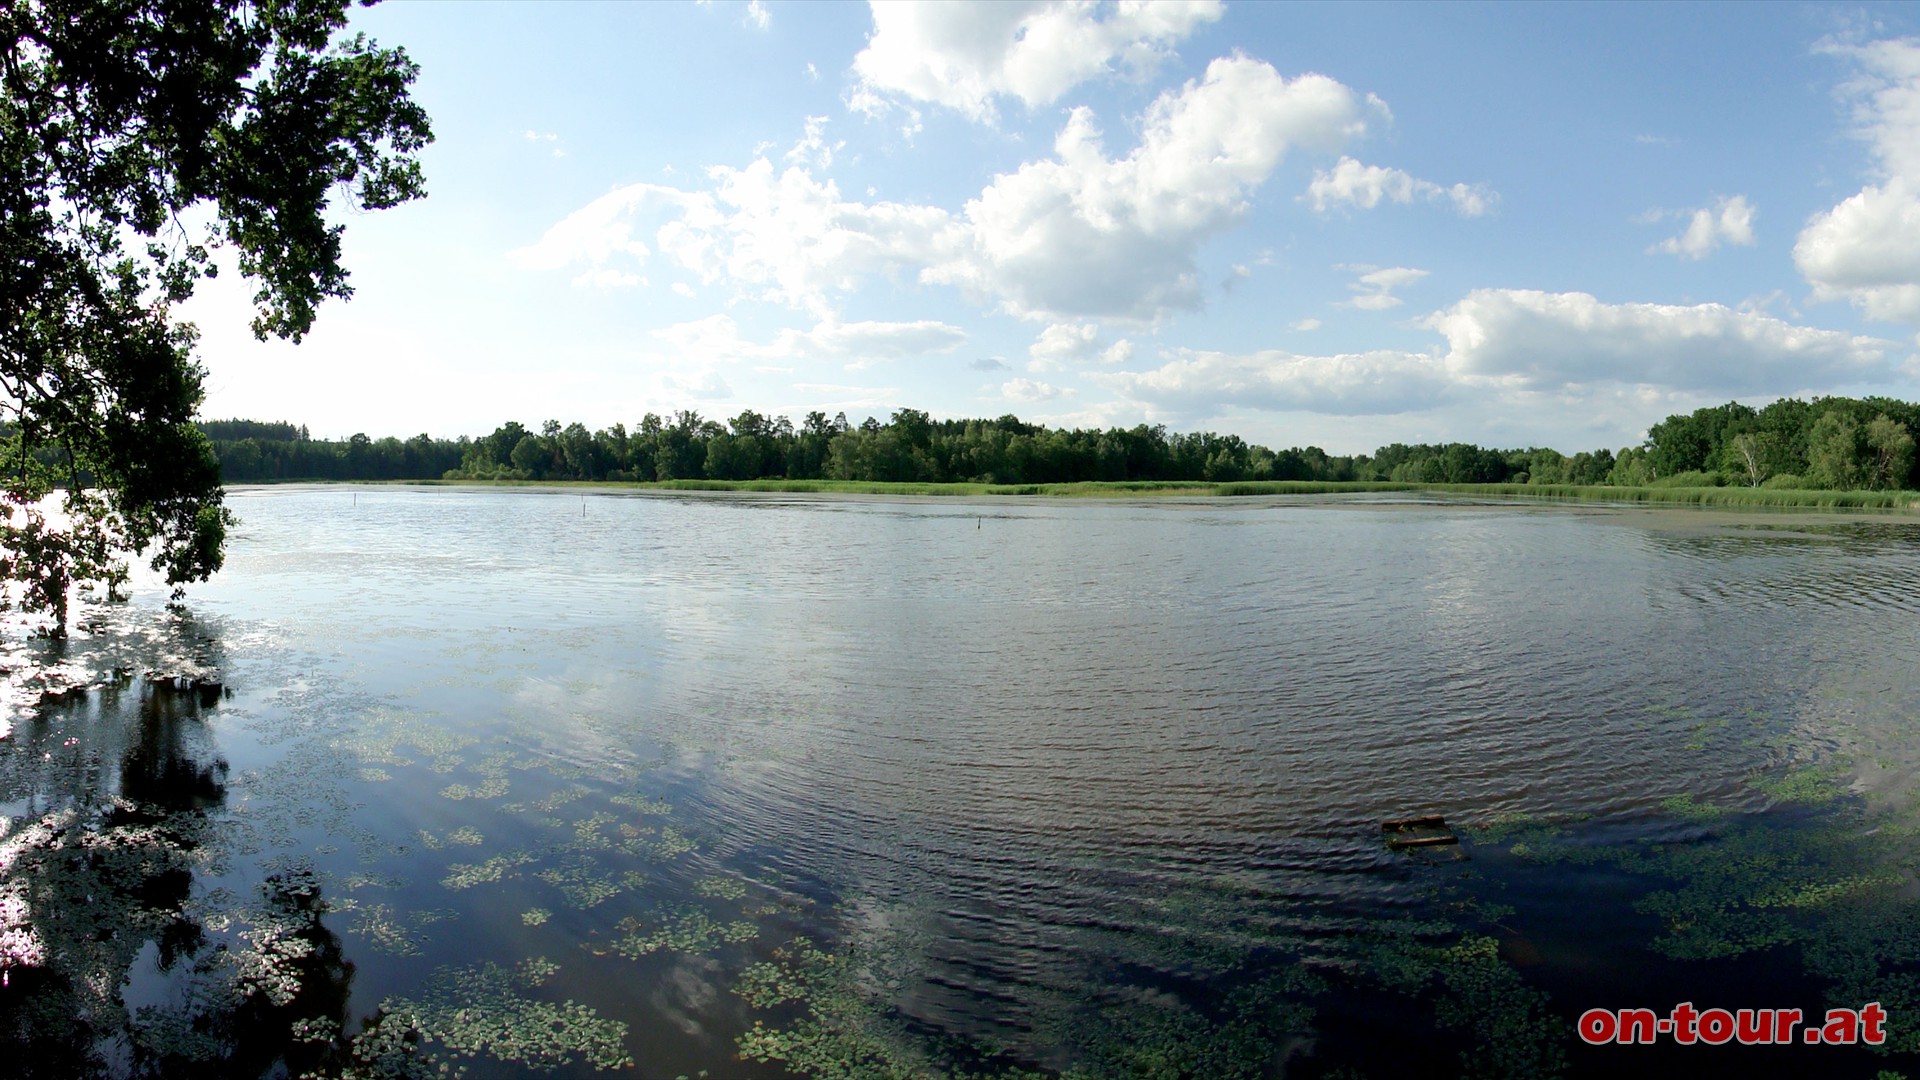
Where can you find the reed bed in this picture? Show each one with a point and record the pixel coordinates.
(1732, 497)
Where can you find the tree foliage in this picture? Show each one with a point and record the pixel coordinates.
(137, 139)
(1833, 442)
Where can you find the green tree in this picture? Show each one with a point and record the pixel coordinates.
(1750, 455)
(122, 121)
(1833, 451)
(1889, 453)
(1630, 469)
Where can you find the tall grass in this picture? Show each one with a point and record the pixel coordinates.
(1315, 487)
(1699, 496)
(1735, 497)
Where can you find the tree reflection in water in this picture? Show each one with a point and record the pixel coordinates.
(110, 963)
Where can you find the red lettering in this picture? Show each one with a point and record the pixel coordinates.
(1683, 1021)
(1597, 1026)
(1752, 1027)
(1872, 1016)
(1637, 1025)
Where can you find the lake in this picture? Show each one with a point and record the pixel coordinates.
(531, 782)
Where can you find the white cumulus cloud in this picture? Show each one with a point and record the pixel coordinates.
(593, 234)
(1350, 384)
(1077, 235)
(1866, 249)
(1029, 391)
(1567, 356)
(1374, 288)
(1349, 183)
(782, 236)
(1728, 220)
(1066, 343)
(1548, 340)
(965, 56)
(719, 337)
(1085, 234)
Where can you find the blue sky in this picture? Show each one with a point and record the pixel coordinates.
(1341, 225)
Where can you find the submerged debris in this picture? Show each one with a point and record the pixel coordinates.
(205, 684)
(1427, 835)
(1427, 831)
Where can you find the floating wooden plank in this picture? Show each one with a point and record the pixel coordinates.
(1418, 832)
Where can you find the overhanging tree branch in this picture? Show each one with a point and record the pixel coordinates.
(120, 116)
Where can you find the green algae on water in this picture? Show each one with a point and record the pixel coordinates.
(489, 1009)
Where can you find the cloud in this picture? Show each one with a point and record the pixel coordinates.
(1068, 343)
(1552, 340)
(1375, 287)
(608, 279)
(1307, 324)
(757, 15)
(593, 234)
(965, 56)
(813, 148)
(1523, 352)
(701, 385)
(987, 363)
(833, 398)
(1084, 234)
(779, 236)
(1028, 391)
(877, 340)
(1866, 249)
(719, 337)
(1077, 235)
(1352, 184)
(1728, 220)
(1062, 343)
(1349, 384)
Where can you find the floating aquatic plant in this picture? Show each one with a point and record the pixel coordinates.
(491, 788)
(642, 804)
(487, 1009)
(381, 732)
(584, 885)
(688, 930)
(393, 934)
(497, 868)
(721, 888)
(1687, 808)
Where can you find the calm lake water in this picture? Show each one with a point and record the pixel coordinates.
(754, 785)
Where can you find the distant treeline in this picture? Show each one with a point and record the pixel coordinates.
(1840, 443)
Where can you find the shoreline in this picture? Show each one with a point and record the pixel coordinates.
(1724, 498)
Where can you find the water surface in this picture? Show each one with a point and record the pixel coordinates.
(565, 782)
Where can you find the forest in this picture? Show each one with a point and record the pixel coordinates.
(1828, 443)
